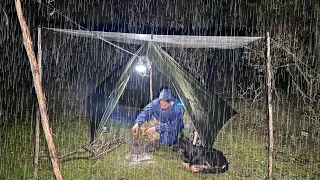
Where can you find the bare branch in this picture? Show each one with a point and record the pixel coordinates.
(299, 89)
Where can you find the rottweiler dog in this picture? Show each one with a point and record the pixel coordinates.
(201, 159)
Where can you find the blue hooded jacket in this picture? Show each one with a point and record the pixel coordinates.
(170, 119)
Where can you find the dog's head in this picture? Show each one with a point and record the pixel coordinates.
(184, 144)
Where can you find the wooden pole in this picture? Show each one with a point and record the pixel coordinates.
(37, 124)
(37, 84)
(270, 114)
(40, 53)
(233, 89)
(36, 146)
(151, 92)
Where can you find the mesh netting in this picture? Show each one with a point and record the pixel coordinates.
(115, 102)
(208, 112)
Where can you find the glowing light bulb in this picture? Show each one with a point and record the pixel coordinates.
(141, 68)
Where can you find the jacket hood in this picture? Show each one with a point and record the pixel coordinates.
(166, 94)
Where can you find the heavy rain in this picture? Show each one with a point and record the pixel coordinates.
(147, 89)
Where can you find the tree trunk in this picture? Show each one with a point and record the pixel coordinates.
(269, 84)
(317, 31)
(316, 48)
(37, 84)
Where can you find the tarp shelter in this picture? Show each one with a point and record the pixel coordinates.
(207, 111)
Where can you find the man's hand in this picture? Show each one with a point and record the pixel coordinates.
(135, 129)
(150, 131)
(195, 137)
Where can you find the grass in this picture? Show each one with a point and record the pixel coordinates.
(243, 140)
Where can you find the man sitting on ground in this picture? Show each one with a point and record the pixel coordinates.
(167, 112)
